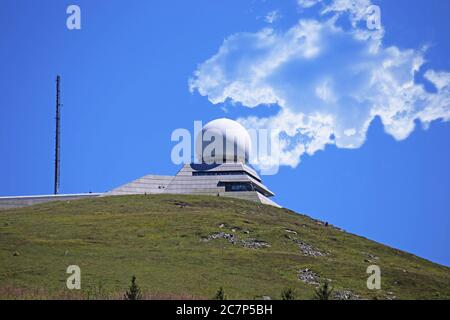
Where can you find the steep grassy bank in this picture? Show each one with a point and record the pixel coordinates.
(189, 246)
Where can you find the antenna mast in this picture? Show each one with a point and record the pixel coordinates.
(57, 137)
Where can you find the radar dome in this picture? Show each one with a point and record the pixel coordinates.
(224, 140)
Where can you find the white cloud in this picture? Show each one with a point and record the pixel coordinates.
(329, 82)
(272, 16)
(356, 8)
(307, 3)
(441, 80)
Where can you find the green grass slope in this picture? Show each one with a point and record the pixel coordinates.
(166, 241)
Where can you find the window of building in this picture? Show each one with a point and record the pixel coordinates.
(238, 186)
(223, 173)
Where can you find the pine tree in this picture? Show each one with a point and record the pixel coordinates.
(220, 295)
(323, 292)
(134, 292)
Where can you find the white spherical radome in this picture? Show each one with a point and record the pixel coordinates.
(236, 142)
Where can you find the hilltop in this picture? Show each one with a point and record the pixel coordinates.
(189, 246)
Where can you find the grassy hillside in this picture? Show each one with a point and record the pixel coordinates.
(189, 246)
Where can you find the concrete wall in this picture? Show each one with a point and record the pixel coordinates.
(23, 201)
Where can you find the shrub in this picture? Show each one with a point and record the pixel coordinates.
(220, 295)
(323, 292)
(288, 294)
(134, 292)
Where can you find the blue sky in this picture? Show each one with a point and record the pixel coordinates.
(135, 72)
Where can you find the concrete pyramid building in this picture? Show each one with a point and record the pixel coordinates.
(236, 180)
(229, 177)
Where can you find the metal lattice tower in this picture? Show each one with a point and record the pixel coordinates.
(57, 136)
